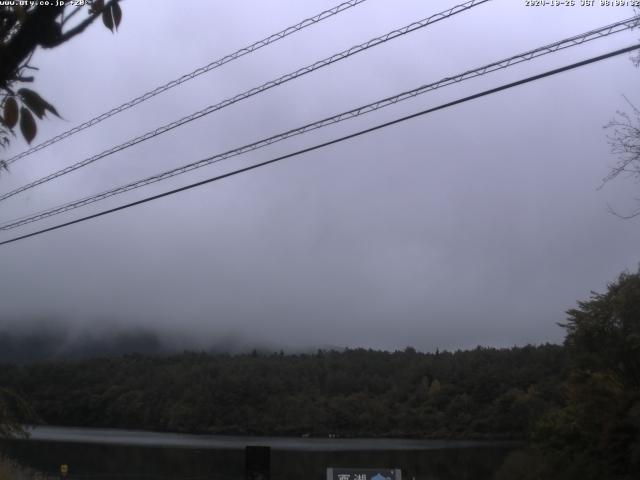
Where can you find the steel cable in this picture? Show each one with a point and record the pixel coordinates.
(498, 65)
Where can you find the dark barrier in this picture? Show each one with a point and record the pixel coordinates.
(257, 463)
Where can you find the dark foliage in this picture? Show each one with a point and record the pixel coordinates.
(480, 393)
(25, 27)
(597, 434)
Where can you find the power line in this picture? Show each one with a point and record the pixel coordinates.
(254, 91)
(334, 141)
(500, 64)
(189, 76)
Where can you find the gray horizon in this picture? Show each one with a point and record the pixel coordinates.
(480, 224)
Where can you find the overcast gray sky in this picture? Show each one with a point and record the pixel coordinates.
(479, 224)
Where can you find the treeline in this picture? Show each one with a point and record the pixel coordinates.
(481, 393)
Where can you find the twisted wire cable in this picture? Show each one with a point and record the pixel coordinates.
(189, 76)
(254, 91)
(332, 142)
(498, 65)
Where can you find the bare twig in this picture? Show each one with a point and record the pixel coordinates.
(68, 17)
(624, 142)
(634, 214)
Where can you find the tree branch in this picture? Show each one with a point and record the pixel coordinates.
(36, 29)
(39, 29)
(82, 25)
(68, 17)
(634, 214)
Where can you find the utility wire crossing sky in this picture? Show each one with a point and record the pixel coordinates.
(414, 26)
(190, 76)
(526, 56)
(332, 142)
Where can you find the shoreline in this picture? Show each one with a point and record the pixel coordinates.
(225, 441)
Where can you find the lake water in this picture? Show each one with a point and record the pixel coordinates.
(105, 454)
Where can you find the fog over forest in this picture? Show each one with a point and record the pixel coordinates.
(407, 224)
(479, 224)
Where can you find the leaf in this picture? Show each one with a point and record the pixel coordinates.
(10, 112)
(107, 19)
(117, 14)
(27, 125)
(96, 6)
(36, 103)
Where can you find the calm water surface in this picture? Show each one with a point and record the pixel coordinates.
(109, 454)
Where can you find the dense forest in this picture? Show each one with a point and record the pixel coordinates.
(478, 393)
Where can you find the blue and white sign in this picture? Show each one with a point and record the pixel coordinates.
(364, 474)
